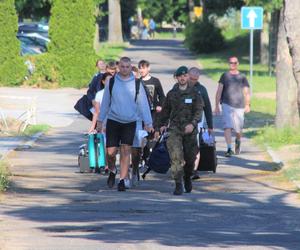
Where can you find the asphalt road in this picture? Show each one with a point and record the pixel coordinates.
(50, 205)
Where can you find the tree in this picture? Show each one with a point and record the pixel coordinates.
(72, 25)
(34, 9)
(286, 95)
(12, 67)
(114, 21)
(291, 21)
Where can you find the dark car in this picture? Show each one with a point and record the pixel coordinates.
(39, 28)
(34, 40)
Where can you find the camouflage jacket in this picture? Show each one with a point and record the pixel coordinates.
(181, 107)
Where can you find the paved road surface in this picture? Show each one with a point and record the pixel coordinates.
(52, 206)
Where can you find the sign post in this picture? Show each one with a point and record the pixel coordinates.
(251, 19)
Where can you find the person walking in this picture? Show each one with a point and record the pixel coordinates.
(122, 102)
(234, 95)
(154, 87)
(152, 26)
(181, 112)
(194, 74)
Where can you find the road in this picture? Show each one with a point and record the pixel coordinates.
(52, 206)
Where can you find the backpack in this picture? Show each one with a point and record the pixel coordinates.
(138, 83)
(137, 87)
(159, 160)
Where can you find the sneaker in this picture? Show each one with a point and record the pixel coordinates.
(188, 184)
(195, 175)
(178, 189)
(121, 186)
(111, 179)
(127, 183)
(237, 148)
(229, 153)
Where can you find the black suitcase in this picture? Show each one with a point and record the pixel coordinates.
(208, 156)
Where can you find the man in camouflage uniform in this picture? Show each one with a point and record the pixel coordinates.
(182, 110)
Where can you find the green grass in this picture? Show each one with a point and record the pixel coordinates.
(169, 35)
(33, 129)
(111, 51)
(293, 171)
(4, 176)
(277, 138)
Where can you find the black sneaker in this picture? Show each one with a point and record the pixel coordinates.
(121, 186)
(195, 175)
(178, 189)
(237, 148)
(188, 184)
(111, 179)
(229, 153)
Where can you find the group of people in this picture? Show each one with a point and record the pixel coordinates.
(128, 102)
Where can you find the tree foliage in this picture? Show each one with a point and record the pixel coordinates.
(72, 32)
(267, 4)
(34, 9)
(12, 67)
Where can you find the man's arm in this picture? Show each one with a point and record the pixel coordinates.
(165, 113)
(247, 96)
(143, 106)
(207, 108)
(160, 93)
(218, 97)
(105, 104)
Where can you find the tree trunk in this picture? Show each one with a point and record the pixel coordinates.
(96, 36)
(264, 41)
(114, 21)
(191, 10)
(291, 24)
(286, 94)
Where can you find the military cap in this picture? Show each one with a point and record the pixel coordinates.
(181, 71)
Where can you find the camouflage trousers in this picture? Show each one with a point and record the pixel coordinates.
(182, 150)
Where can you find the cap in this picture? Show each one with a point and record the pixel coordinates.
(181, 71)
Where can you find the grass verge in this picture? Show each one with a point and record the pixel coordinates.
(4, 176)
(33, 129)
(111, 51)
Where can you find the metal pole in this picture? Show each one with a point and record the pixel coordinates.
(251, 59)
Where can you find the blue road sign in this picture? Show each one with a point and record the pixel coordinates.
(252, 18)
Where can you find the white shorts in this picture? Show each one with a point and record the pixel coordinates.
(233, 118)
(139, 136)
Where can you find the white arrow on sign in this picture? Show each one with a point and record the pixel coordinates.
(252, 16)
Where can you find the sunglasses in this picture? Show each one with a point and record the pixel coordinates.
(233, 62)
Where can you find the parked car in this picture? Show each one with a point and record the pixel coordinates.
(34, 40)
(40, 28)
(27, 50)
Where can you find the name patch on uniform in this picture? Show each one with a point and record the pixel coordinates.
(188, 100)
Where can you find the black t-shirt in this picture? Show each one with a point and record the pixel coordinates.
(156, 92)
(233, 86)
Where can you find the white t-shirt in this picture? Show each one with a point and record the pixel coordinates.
(98, 99)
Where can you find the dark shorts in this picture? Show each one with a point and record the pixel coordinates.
(119, 133)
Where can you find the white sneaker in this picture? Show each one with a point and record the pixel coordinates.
(127, 183)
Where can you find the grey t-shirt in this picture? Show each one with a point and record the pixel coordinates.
(233, 86)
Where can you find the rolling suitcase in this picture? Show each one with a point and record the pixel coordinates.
(83, 159)
(208, 155)
(96, 151)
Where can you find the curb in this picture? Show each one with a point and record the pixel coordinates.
(25, 145)
(280, 163)
(274, 157)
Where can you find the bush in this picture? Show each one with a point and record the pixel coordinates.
(203, 37)
(45, 71)
(72, 26)
(12, 66)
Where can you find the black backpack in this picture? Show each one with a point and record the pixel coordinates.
(138, 83)
(137, 87)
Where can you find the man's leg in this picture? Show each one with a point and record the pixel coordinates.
(174, 144)
(227, 135)
(111, 160)
(190, 150)
(125, 151)
(135, 161)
